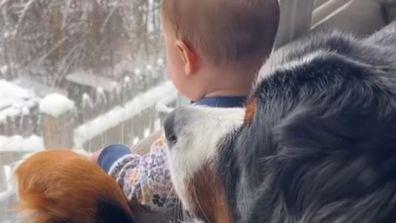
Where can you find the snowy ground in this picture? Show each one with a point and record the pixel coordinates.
(11, 94)
(19, 144)
(15, 99)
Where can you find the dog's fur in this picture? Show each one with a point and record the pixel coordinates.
(316, 142)
(60, 186)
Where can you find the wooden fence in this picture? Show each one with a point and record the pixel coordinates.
(126, 123)
(23, 122)
(115, 111)
(93, 96)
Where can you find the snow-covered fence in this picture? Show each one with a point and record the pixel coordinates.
(127, 122)
(18, 110)
(122, 110)
(95, 95)
(12, 149)
(7, 196)
(23, 122)
(134, 120)
(58, 121)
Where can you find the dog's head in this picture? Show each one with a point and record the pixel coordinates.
(316, 141)
(60, 186)
(194, 135)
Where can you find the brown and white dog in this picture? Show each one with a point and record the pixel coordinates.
(60, 186)
(316, 142)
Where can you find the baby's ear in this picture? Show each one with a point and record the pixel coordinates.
(189, 57)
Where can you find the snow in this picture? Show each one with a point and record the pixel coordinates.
(15, 100)
(138, 72)
(56, 105)
(135, 141)
(19, 144)
(127, 80)
(146, 132)
(119, 114)
(83, 153)
(25, 110)
(10, 112)
(84, 78)
(162, 105)
(4, 69)
(100, 95)
(160, 62)
(87, 101)
(40, 89)
(157, 125)
(149, 68)
(11, 94)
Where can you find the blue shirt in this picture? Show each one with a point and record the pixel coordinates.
(222, 102)
(112, 153)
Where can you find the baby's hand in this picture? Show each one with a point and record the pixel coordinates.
(95, 156)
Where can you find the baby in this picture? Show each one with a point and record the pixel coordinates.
(214, 49)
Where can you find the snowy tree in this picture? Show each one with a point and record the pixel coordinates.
(48, 39)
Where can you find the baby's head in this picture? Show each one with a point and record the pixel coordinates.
(216, 47)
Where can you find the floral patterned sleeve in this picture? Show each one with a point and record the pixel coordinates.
(145, 179)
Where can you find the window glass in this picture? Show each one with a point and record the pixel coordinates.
(84, 74)
(78, 74)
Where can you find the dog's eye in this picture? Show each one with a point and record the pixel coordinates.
(169, 127)
(171, 138)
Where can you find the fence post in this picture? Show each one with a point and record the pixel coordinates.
(10, 130)
(3, 181)
(58, 121)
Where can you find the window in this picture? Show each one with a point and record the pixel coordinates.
(97, 54)
(78, 74)
(87, 73)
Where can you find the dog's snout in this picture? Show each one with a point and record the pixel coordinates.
(169, 127)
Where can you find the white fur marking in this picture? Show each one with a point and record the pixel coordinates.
(198, 140)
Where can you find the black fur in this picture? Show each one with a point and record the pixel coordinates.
(322, 145)
(112, 212)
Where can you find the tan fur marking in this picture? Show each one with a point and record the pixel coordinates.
(55, 185)
(207, 197)
(251, 108)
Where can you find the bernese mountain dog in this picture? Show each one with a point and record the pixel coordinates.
(316, 142)
(61, 186)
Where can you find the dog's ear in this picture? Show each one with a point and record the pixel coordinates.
(61, 186)
(336, 157)
(352, 129)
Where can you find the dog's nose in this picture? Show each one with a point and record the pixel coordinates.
(169, 128)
